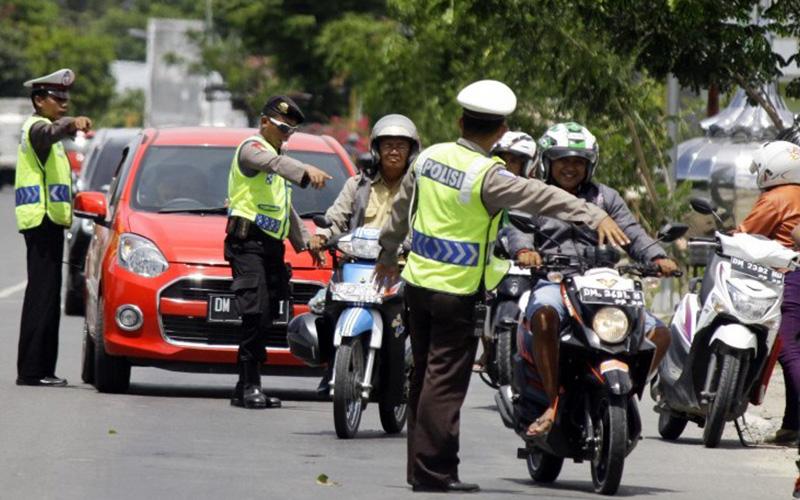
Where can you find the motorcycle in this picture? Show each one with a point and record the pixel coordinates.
(604, 360)
(724, 331)
(360, 330)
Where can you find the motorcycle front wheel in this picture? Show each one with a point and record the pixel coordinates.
(347, 403)
(611, 441)
(724, 397)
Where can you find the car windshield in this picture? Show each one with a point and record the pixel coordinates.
(194, 179)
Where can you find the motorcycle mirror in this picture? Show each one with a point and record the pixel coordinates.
(703, 206)
(321, 221)
(365, 162)
(671, 231)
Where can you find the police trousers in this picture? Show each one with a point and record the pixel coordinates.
(260, 281)
(41, 309)
(443, 341)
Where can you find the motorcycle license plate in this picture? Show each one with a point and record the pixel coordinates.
(611, 297)
(223, 308)
(757, 271)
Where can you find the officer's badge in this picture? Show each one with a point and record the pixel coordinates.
(283, 107)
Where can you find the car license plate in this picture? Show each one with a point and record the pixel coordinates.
(611, 297)
(757, 271)
(223, 308)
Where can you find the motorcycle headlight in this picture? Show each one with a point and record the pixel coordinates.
(356, 292)
(361, 248)
(140, 256)
(750, 308)
(610, 324)
(317, 302)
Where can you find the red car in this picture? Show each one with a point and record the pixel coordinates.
(157, 285)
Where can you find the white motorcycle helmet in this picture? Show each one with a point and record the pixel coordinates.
(520, 144)
(394, 125)
(776, 163)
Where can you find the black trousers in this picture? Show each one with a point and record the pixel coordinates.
(260, 280)
(443, 341)
(41, 309)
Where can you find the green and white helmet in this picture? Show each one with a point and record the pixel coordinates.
(568, 139)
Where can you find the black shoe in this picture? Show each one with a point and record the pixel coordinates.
(252, 398)
(451, 487)
(44, 381)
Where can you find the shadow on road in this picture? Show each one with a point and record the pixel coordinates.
(725, 444)
(172, 391)
(362, 434)
(561, 489)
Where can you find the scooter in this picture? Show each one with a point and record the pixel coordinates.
(724, 333)
(604, 360)
(360, 330)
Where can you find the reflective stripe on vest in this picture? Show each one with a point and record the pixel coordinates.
(452, 232)
(263, 199)
(32, 179)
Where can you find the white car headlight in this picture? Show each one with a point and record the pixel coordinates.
(610, 324)
(140, 256)
(356, 292)
(751, 308)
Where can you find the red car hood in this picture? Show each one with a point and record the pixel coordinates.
(195, 239)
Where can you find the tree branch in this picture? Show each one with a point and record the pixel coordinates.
(762, 101)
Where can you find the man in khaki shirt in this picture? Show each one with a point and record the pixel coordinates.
(366, 199)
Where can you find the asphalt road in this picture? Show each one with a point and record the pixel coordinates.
(175, 436)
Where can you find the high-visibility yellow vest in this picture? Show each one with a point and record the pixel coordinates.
(453, 234)
(41, 189)
(263, 199)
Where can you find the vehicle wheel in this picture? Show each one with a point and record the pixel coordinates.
(393, 417)
(670, 427)
(544, 467)
(347, 402)
(505, 349)
(73, 303)
(111, 373)
(87, 358)
(611, 439)
(723, 398)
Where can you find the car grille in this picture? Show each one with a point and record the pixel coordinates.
(194, 329)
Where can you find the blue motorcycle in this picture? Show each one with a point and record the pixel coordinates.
(360, 329)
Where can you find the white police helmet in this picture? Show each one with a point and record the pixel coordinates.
(520, 144)
(487, 99)
(776, 163)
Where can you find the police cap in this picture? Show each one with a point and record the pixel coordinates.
(487, 100)
(282, 105)
(56, 84)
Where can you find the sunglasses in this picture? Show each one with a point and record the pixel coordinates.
(283, 127)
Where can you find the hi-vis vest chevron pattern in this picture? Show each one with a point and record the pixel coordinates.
(452, 233)
(263, 199)
(41, 189)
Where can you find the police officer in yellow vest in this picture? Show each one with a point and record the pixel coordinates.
(43, 199)
(457, 193)
(260, 218)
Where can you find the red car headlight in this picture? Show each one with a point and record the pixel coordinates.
(140, 256)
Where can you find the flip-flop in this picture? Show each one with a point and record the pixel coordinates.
(539, 423)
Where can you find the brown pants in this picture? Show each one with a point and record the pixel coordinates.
(443, 342)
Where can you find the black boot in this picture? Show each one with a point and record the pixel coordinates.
(252, 397)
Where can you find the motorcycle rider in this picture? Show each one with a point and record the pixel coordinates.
(570, 156)
(366, 199)
(775, 214)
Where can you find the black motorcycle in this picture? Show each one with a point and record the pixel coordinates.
(604, 360)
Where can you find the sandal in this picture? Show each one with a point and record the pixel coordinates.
(542, 425)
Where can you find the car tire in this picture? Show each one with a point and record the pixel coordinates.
(87, 357)
(112, 374)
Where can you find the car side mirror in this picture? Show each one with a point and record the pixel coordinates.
(91, 205)
(703, 206)
(671, 231)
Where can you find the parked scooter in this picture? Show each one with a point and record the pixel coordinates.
(724, 334)
(360, 330)
(604, 360)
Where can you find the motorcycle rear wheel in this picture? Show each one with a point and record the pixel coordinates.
(670, 427)
(393, 416)
(724, 397)
(611, 434)
(347, 403)
(544, 467)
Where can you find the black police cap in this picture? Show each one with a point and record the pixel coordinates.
(282, 105)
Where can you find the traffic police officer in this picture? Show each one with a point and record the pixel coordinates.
(43, 200)
(457, 193)
(261, 216)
